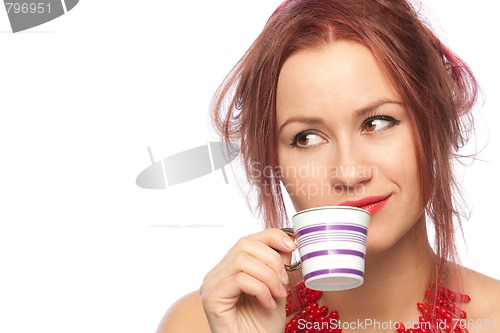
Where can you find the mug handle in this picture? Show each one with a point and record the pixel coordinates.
(297, 265)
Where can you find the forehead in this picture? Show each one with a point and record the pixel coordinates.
(343, 75)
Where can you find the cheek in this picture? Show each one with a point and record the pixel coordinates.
(296, 172)
(305, 180)
(404, 170)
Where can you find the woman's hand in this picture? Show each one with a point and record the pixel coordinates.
(245, 292)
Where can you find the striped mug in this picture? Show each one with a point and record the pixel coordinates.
(332, 246)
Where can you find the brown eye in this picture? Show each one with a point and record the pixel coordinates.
(378, 123)
(306, 139)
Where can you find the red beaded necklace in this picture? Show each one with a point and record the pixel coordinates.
(446, 317)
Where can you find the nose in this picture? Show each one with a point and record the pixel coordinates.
(349, 166)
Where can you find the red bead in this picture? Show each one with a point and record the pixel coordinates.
(310, 298)
(333, 315)
(450, 294)
(400, 327)
(451, 306)
(323, 310)
(421, 306)
(316, 313)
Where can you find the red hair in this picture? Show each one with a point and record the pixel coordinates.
(437, 88)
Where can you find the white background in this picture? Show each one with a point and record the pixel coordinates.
(82, 248)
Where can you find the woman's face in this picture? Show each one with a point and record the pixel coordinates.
(345, 138)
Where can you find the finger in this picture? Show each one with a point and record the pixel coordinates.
(275, 238)
(264, 253)
(262, 246)
(253, 287)
(227, 292)
(244, 262)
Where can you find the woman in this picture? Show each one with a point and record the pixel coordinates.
(364, 98)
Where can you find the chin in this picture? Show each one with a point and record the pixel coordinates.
(378, 248)
(380, 241)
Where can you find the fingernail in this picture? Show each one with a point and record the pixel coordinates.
(288, 243)
(284, 277)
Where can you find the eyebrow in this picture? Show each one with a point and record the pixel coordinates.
(355, 115)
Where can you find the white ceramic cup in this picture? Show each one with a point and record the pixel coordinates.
(332, 246)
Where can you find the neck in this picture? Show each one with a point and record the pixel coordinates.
(395, 280)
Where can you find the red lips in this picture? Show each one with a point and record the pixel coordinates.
(371, 204)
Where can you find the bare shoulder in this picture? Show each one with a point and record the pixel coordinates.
(483, 311)
(185, 315)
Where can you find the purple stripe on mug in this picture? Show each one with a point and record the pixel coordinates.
(324, 227)
(332, 251)
(357, 240)
(330, 223)
(332, 236)
(328, 234)
(333, 271)
(323, 224)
